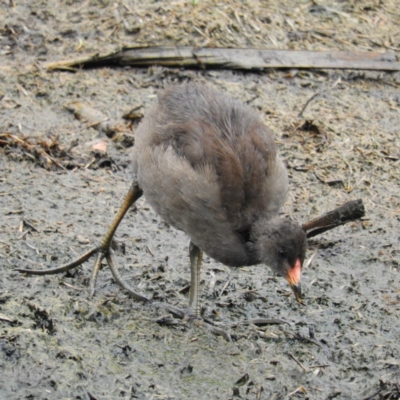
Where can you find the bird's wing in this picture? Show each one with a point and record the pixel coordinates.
(189, 199)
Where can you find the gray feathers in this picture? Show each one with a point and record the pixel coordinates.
(208, 165)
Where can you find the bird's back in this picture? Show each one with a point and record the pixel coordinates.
(205, 135)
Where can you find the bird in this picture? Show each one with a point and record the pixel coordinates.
(209, 166)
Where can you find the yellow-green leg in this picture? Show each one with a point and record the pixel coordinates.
(196, 258)
(103, 250)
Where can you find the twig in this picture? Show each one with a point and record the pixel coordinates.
(373, 395)
(70, 286)
(298, 362)
(300, 389)
(225, 286)
(348, 212)
(236, 58)
(311, 259)
(52, 160)
(319, 366)
(307, 103)
(260, 322)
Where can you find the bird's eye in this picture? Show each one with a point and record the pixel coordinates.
(282, 253)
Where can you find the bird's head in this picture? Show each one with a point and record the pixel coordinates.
(281, 244)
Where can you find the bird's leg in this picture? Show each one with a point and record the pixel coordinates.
(102, 251)
(196, 258)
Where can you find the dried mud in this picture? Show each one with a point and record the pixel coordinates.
(59, 189)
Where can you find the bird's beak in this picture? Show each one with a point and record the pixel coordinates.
(293, 277)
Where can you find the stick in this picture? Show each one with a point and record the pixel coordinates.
(298, 362)
(348, 212)
(244, 59)
(307, 103)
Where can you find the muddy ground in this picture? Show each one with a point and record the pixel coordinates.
(59, 189)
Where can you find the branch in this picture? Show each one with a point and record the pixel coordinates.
(348, 212)
(244, 59)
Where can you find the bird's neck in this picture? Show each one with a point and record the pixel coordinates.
(259, 232)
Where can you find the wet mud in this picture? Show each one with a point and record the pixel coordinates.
(63, 179)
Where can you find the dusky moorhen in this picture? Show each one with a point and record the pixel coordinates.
(209, 166)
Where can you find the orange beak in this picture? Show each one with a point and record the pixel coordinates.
(293, 277)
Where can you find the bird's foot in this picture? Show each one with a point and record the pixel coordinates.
(101, 253)
(188, 316)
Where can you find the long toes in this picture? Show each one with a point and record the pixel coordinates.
(178, 312)
(95, 272)
(219, 332)
(63, 268)
(188, 316)
(117, 276)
